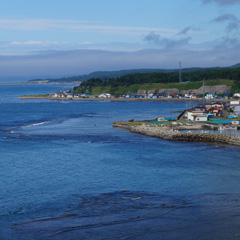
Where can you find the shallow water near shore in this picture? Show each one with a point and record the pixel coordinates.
(67, 174)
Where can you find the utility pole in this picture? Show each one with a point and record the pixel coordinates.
(180, 72)
(203, 91)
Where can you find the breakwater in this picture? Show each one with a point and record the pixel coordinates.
(169, 134)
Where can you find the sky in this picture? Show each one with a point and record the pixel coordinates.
(59, 38)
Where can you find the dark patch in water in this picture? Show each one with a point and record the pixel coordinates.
(140, 215)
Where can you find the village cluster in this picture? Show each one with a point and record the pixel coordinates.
(211, 110)
(151, 94)
(217, 112)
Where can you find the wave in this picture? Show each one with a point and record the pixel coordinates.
(34, 124)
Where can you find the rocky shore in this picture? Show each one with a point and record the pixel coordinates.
(169, 134)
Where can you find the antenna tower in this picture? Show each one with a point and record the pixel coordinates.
(180, 72)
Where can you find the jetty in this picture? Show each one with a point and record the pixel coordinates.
(168, 133)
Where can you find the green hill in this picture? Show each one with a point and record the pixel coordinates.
(149, 81)
(105, 75)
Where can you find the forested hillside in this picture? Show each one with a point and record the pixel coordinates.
(119, 84)
(105, 75)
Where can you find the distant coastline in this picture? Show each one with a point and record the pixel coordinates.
(40, 84)
(116, 99)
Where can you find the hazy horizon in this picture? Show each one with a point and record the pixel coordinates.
(69, 38)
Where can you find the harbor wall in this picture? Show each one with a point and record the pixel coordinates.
(169, 134)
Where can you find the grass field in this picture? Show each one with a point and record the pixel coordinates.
(156, 86)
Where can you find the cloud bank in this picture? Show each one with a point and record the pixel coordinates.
(166, 42)
(78, 62)
(223, 2)
(34, 24)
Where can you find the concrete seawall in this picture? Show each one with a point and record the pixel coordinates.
(168, 134)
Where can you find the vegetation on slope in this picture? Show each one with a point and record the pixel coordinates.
(148, 81)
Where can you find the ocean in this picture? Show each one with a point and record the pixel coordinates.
(67, 174)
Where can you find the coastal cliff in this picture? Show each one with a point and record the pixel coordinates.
(169, 134)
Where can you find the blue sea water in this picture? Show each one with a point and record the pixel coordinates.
(60, 157)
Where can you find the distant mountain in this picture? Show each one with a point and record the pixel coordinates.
(235, 66)
(104, 75)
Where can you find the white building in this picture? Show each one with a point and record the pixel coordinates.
(210, 96)
(200, 118)
(105, 95)
(191, 114)
(236, 95)
(234, 102)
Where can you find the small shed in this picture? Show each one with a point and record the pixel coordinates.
(161, 119)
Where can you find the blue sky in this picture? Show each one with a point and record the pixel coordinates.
(50, 38)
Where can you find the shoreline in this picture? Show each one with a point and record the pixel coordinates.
(169, 134)
(121, 99)
(36, 84)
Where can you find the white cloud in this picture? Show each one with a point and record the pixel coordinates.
(74, 26)
(33, 43)
(15, 43)
(42, 43)
(86, 43)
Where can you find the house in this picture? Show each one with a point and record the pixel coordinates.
(151, 93)
(183, 114)
(187, 95)
(133, 95)
(217, 106)
(84, 95)
(234, 102)
(210, 96)
(58, 94)
(142, 93)
(237, 95)
(161, 95)
(105, 95)
(227, 95)
(69, 95)
(216, 109)
(203, 107)
(191, 114)
(200, 107)
(194, 95)
(161, 119)
(200, 118)
(237, 110)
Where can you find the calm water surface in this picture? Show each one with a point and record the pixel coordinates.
(67, 174)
